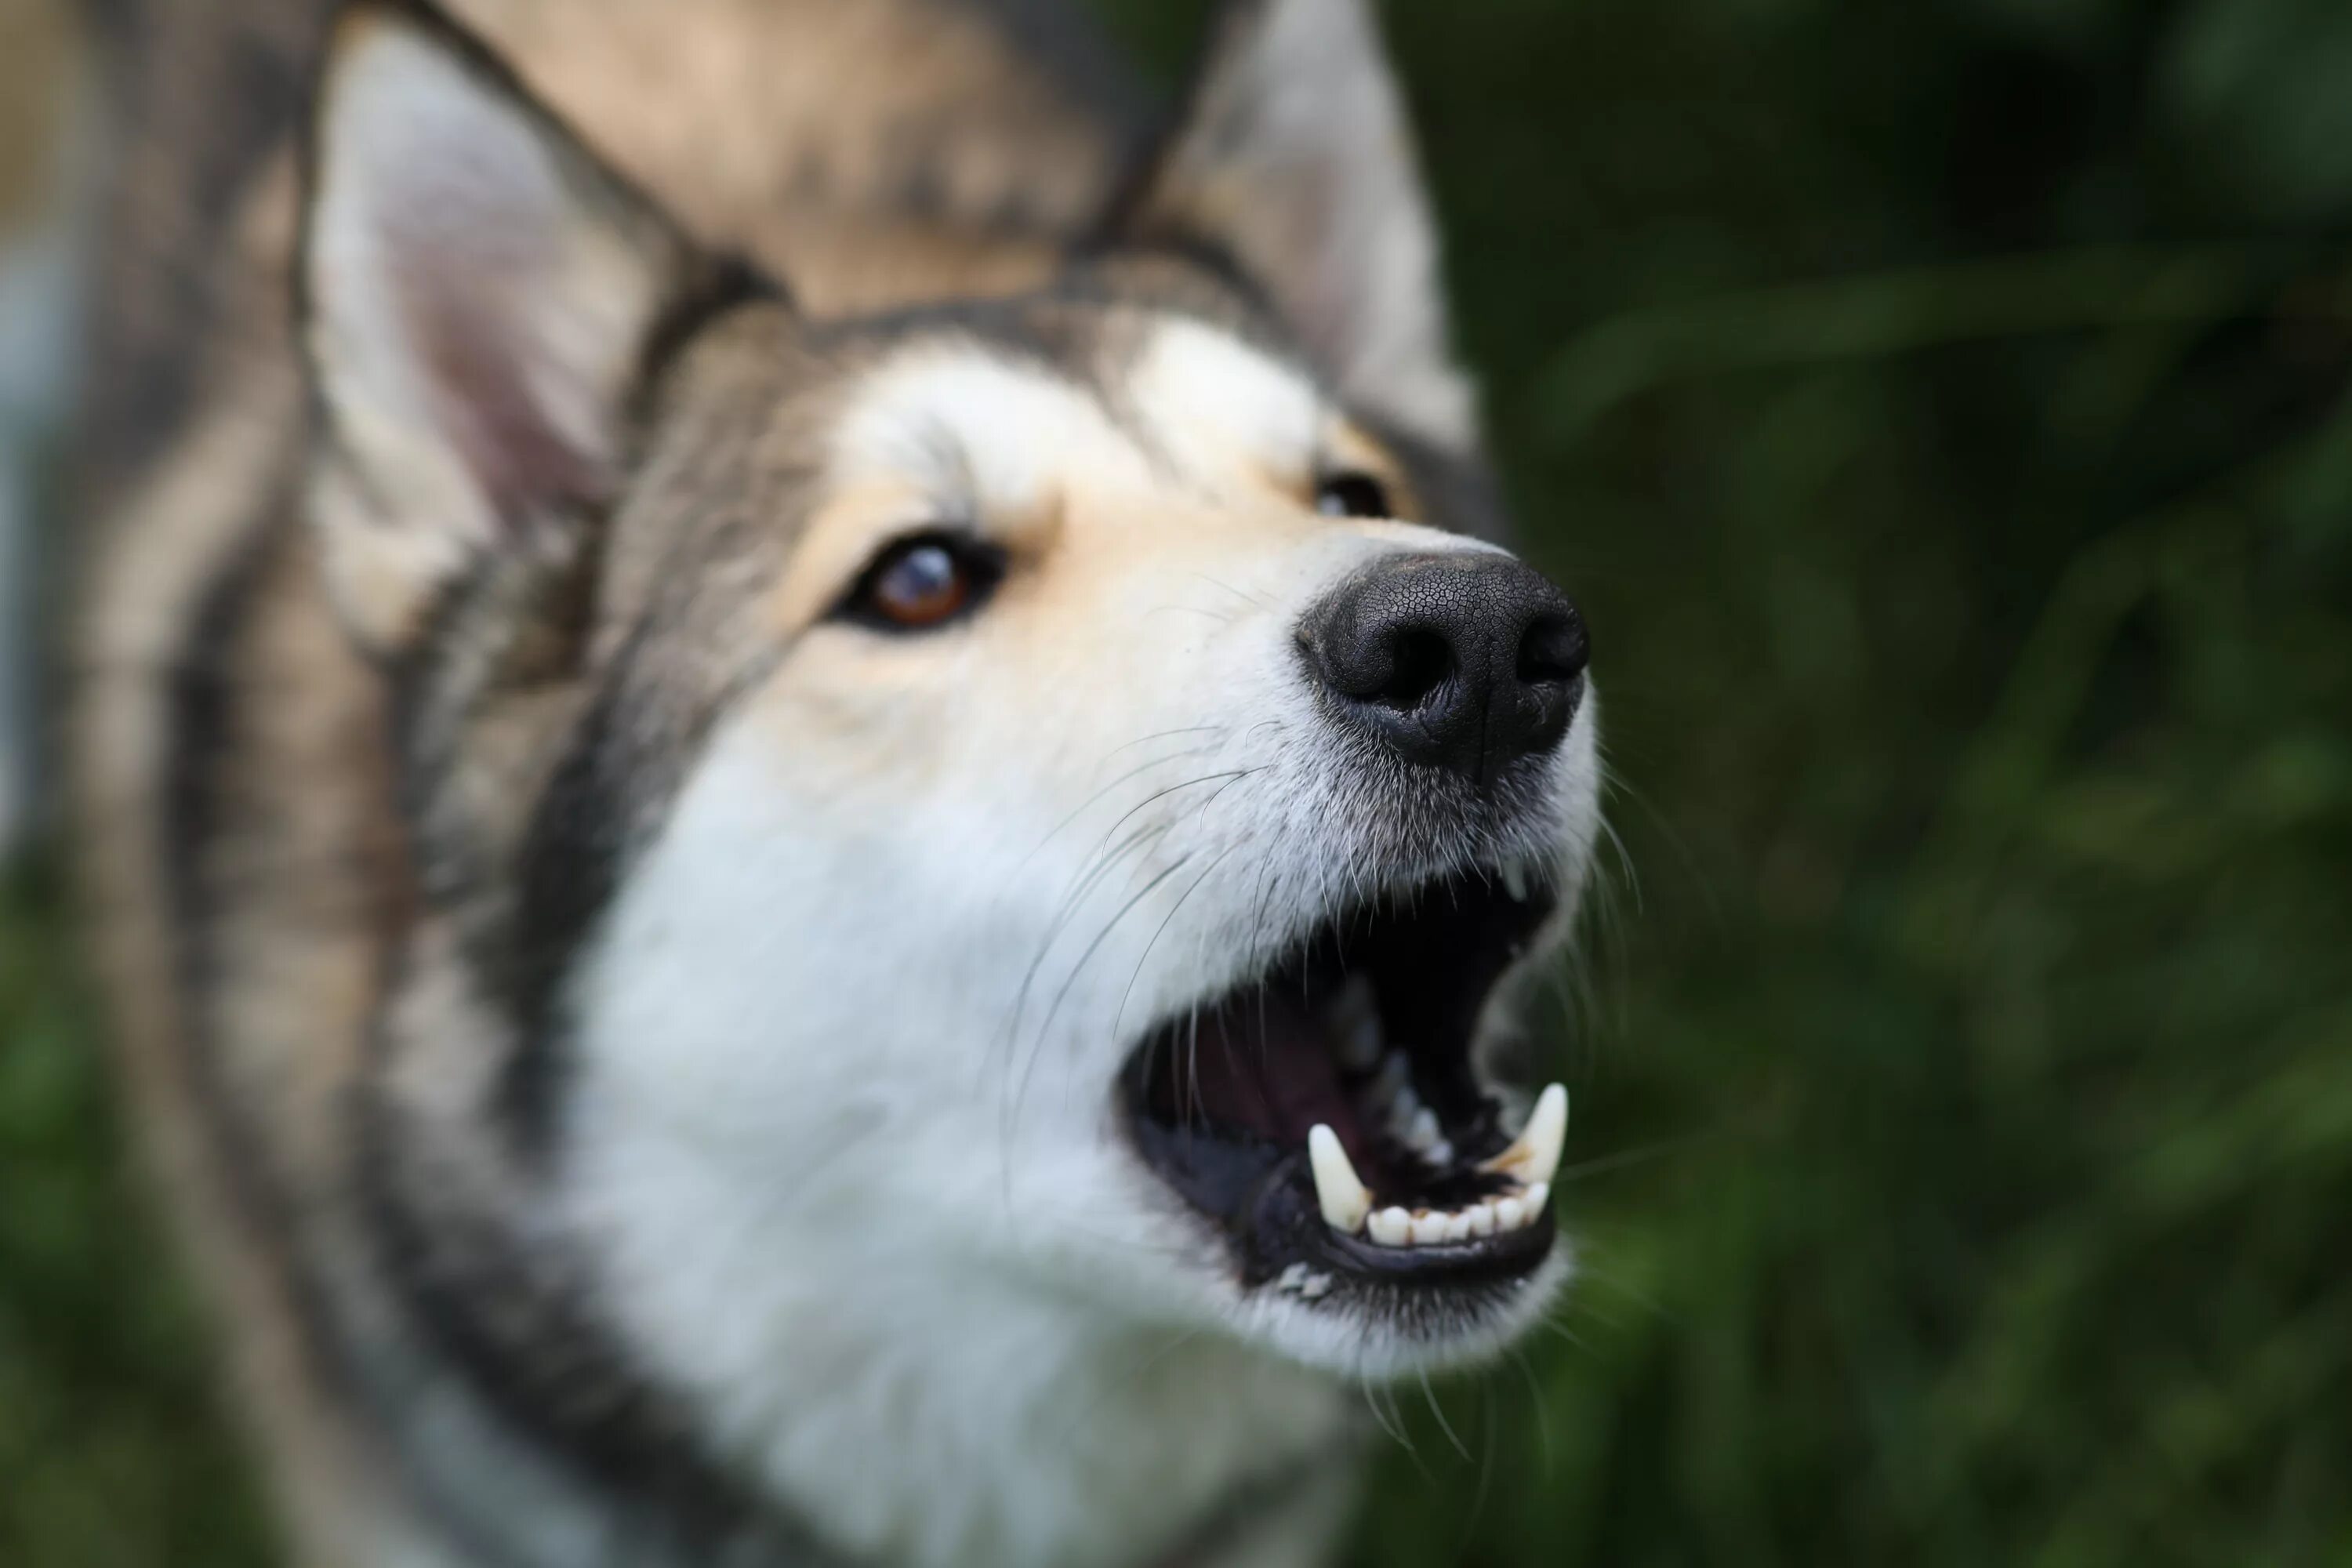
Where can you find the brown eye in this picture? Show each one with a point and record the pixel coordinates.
(922, 582)
(1352, 493)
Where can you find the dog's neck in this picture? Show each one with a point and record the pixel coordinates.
(865, 1416)
(1007, 1430)
(1171, 1452)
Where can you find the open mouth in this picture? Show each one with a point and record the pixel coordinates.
(1329, 1115)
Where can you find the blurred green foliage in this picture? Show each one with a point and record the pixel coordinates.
(111, 1449)
(1943, 413)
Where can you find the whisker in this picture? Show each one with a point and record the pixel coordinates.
(1045, 1027)
(1487, 1449)
(1373, 1404)
(1009, 1033)
(1119, 1019)
(1134, 1374)
(1071, 904)
(1429, 1396)
(1412, 1451)
(1088, 803)
(1171, 789)
(1162, 735)
(1535, 1397)
(1636, 1156)
(1639, 1299)
(1099, 868)
(1254, 601)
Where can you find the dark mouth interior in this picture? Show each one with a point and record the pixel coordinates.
(1223, 1100)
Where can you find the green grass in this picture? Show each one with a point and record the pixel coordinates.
(1943, 413)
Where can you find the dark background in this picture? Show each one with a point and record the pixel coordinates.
(1940, 409)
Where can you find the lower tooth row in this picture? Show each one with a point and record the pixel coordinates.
(1427, 1228)
(1528, 1164)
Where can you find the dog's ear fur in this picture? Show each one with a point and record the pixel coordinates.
(479, 294)
(1294, 159)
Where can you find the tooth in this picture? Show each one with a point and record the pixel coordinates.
(1403, 1112)
(1316, 1287)
(1534, 1155)
(1509, 1214)
(1391, 1227)
(1292, 1278)
(1396, 1078)
(1356, 1016)
(1440, 1153)
(1481, 1218)
(1515, 881)
(1345, 1198)
(1537, 1195)
(1428, 1229)
(1457, 1227)
(1424, 1134)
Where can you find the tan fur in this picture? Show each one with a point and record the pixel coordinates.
(38, 54)
(851, 103)
(692, 98)
(326, 1479)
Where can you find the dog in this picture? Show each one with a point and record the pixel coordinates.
(816, 808)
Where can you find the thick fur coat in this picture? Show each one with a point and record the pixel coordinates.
(719, 636)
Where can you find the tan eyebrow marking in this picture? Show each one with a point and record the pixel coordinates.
(1349, 446)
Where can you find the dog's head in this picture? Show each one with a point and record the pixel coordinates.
(1044, 795)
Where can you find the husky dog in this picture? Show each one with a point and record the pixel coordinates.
(812, 812)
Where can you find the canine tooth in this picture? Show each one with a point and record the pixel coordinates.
(1316, 1287)
(1515, 881)
(1481, 1218)
(1345, 1198)
(1535, 1155)
(1440, 1153)
(1395, 1079)
(1509, 1214)
(1537, 1195)
(1457, 1225)
(1391, 1227)
(1358, 1016)
(1428, 1229)
(1424, 1134)
(1292, 1278)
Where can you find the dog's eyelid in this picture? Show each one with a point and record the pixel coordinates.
(956, 525)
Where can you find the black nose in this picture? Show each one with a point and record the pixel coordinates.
(1466, 662)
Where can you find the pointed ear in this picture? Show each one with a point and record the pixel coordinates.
(1293, 158)
(480, 296)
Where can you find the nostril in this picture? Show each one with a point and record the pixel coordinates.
(1464, 661)
(1419, 661)
(1554, 649)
